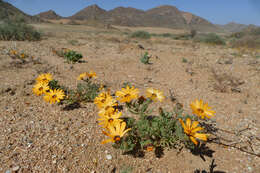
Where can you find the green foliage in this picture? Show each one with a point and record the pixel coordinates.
(237, 35)
(166, 35)
(184, 60)
(145, 58)
(156, 131)
(184, 36)
(85, 92)
(126, 169)
(18, 31)
(210, 38)
(54, 84)
(141, 34)
(72, 56)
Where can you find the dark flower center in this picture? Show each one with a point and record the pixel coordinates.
(201, 111)
(117, 138)
(54, 96)
(154, 95)
(110, 120)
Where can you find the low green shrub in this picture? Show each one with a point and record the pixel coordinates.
(145, 59)
(72, 56)
(210, 38)
(18, 31)
(141, 34)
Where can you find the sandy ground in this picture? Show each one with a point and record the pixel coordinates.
(38, 137)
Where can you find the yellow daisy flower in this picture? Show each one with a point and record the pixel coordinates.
(201, 110)
(192, 129)
(104, 99)
(45, 78)
(13, 52)
(154, 94)
(82, 76)
(92, 74)
(127, 94)
(109, 120)
(115, 132)
(54, 96)
(40, 88)
(108, 111)
(22, 55)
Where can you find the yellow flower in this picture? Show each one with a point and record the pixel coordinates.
(40, 88)
(127, 94)
(101, 87)
(13, 52)
(154, 94)
(22, 55)
(54, 96)
(92, 74)
(115, 132)
(104, 100)
(44, 78)
(108, 111)
(201, 110)
(82, 76)
(109, 120)
(192, 129)
(149, 148)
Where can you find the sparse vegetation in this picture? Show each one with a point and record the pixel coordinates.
(210, 38)
(249, 38)
(69, 55)
(72, 56)
(141, 34)
(145, 59)
(18, 31)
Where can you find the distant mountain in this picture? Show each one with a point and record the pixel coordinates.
(9, 12)
(49, 15)
(165, 16)
(233, 27)
(162, 16)
(90, 12)
(125, 16)
(198, 23)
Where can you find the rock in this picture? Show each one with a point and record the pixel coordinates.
(16, 168)
(109, 157)
(8, 171)
(225, 60)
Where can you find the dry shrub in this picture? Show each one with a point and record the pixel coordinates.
(248, 41)
(224, 82)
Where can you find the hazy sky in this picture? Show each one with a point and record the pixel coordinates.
(216, 11)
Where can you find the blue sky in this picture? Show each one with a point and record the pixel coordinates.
(216, 11)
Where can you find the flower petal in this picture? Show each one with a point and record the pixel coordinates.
(201, 136)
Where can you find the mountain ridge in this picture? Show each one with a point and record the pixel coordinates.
(163, 16)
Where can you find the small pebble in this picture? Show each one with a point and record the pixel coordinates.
(7, 171)
(109, 157)
(16, 168)
(249, 168)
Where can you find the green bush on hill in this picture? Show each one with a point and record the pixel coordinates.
(19, 31)
(141, 34)
(210, 38)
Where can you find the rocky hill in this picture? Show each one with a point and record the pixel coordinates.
(90, 12)
(162, 16)
(233, 27)
(9, 12)
(49, 15)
